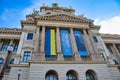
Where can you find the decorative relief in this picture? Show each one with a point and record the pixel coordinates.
(99, 47)
(63, 17)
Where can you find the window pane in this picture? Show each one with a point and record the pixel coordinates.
(89, 76)
(15, 47)
(30, 36)
(4, 46)
(80, 43)
(71, 76)
(51, 76)
(95, 39)
(26, 56)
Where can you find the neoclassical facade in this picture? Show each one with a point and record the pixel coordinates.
(56, 44)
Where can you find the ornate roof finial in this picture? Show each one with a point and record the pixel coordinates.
(54, 5)
(43, 4)
(35, 12)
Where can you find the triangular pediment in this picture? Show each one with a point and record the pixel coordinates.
(63, 17)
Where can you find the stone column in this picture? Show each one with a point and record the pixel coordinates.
(22, 38)
(87, 40)
(11, 42)
(107, 56)
(94, 54)
(92, 41)
(74, 45)
(58, 42)
(42, 47)
(116, 51)
(36, 39)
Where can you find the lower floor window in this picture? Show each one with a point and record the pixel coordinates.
(71, 76)
(51, 76)
(89, 76)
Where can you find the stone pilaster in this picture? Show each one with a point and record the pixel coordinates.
(87, 40)
(74, 46)
(107, 56)
(36, 39)
(21, 43)
(92, 41)
(94, 54)
(58, 42)
(11, 42)
(42, 47)
(116, 51)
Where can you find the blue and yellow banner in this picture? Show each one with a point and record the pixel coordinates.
(50, 45)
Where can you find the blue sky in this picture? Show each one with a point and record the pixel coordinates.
(105, 12)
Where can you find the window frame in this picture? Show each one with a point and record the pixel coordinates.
(4, 46)
(26, 56)
(29, 36)
(95, 39)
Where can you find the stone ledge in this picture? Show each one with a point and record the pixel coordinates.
(19, 65)
(112, 65)
(67, 62)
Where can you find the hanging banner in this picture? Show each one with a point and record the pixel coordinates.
(50, 45)
(66, 45)
(53, 47)
(47, 42)
(80, 43)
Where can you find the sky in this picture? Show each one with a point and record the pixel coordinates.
(105, 13)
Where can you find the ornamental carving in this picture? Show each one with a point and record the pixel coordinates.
(62, 17)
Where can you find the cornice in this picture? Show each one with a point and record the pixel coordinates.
(10, 31)
(114, 36)
(66, 62)
(27, 22)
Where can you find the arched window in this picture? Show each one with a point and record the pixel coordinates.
(1, 61)
(71, 75)
(90, 75)
(51, 75)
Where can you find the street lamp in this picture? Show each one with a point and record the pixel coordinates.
(19, 73)
(7, 60)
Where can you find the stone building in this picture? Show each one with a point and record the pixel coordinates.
(55, 44)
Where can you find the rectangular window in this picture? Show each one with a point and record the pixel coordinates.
(5, 46)
(102, 57)
(15, 47)
(30, 36)
(26, 56)
(95, 39)
(109, 49)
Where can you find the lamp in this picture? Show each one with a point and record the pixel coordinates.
(19, 73)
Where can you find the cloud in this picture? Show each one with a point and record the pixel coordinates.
(111, 25)
(28, 10)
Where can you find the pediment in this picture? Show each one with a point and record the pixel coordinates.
(63, 17)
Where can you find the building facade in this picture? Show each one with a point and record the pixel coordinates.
(55, 44)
